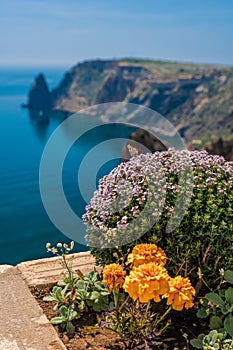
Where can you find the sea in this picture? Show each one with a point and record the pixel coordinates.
(25, 226)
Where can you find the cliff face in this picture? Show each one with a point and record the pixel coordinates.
(155, 84)
(197, 99)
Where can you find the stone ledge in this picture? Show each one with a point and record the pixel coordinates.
(50, 270)
(23, 325)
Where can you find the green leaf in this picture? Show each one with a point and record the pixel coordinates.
(215, 299)
(229, 295)
(57, 320)
(201, 313)
(82, 305)
(210, 338)
(228, 324)
(196, 343)
(61, 283)
(221, 293)
(94, 295)
(100, 286)
(81, 294)
(70, 328)
(58, 293)
(73, 314)
(89, 302)
(94, 276)
(63, 311)
(49, 298)
(215, 322)
(104, 294)
(97, 307)
(80, 284)
(228, 275)
(225, 310)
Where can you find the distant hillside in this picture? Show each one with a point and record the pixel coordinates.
(197, 99)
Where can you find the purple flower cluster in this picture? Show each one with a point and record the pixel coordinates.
(134, 195)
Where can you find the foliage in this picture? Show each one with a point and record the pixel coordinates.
(218, 306)
(212, 341)
(76, 295)
(137, 202)
(65, 318)
(136, 324)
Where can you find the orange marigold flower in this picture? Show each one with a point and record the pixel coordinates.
(147, 281)
(145, 253)
(113, 276)
(180, 293)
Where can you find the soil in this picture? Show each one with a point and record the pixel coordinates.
(88, 335)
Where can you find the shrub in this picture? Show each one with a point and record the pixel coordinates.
(179, 200)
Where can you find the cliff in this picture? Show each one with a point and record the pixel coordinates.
(197, 99)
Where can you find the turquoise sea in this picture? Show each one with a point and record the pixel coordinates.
(24, 224)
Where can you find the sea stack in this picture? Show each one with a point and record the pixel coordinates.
(39, 97)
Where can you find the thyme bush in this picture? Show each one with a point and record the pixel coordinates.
(202, 242)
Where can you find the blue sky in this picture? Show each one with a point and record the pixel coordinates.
(63, 32)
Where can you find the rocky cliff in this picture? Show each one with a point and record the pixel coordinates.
(197, 99)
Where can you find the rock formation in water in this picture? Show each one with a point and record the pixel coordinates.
(39, 97)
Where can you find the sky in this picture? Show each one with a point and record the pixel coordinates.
(64, 32)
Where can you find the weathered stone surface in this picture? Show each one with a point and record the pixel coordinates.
(50, 270)
(23, 326)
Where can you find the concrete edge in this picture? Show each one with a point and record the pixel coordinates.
(17, 280)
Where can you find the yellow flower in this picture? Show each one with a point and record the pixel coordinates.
(145, 253)
(180, 293)
(113, 276)
(147, 281)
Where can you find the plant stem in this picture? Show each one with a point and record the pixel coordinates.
(147, 309)
(115, 297)
(68, 269)
(164, 315)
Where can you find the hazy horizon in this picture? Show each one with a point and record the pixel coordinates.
(68, 66)
(60, 34)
